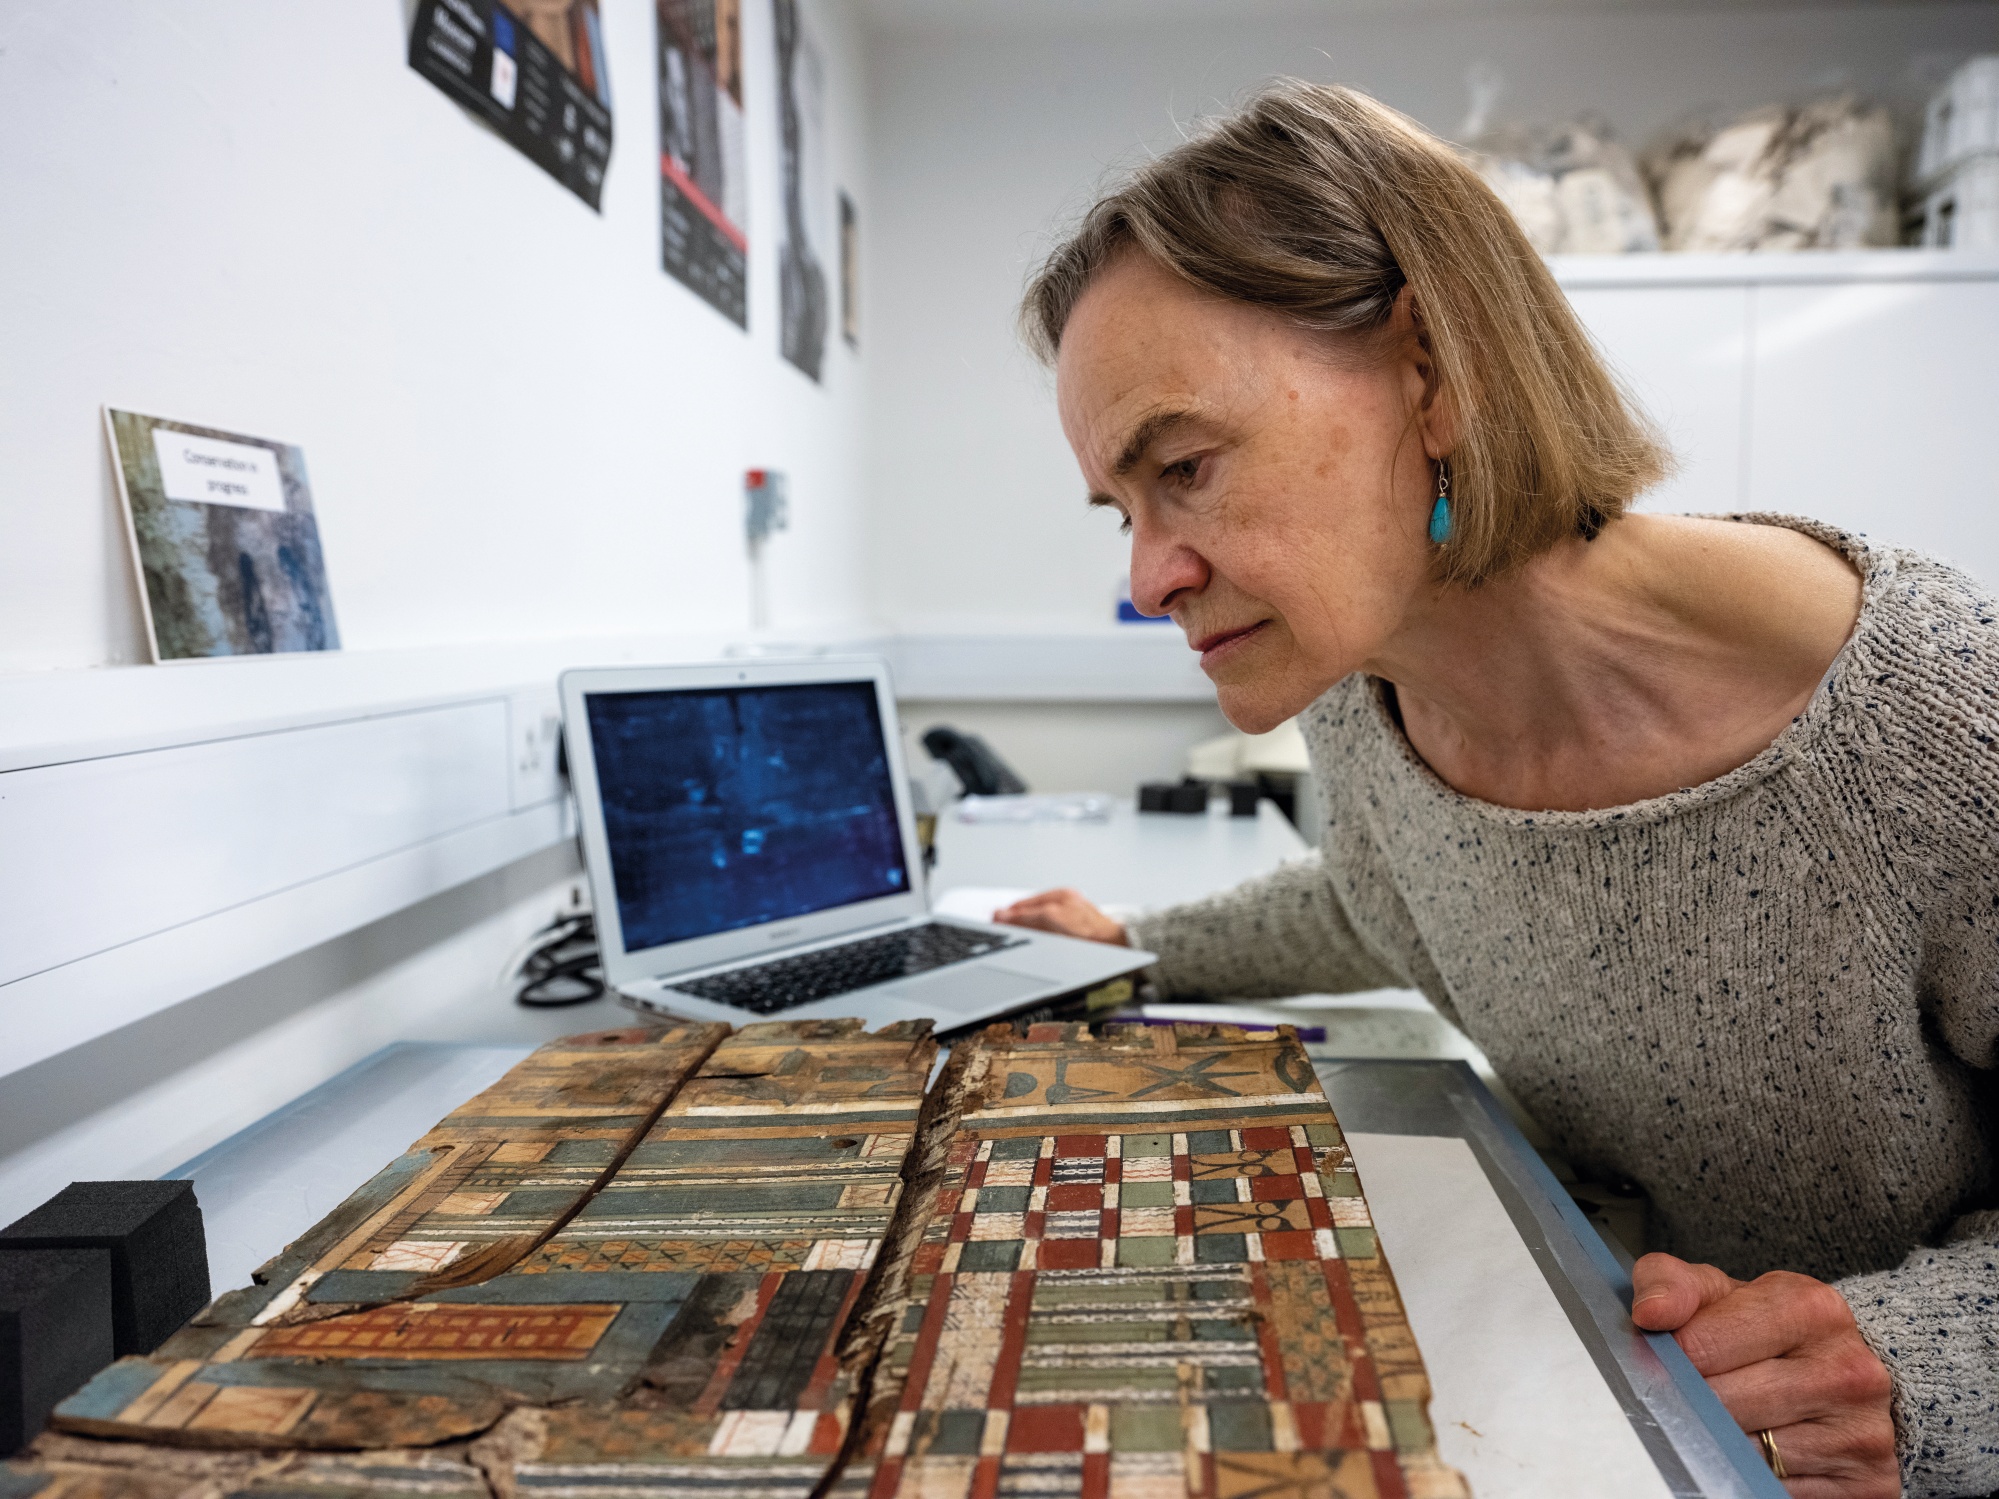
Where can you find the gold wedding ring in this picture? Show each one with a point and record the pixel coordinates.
(1770, 1453)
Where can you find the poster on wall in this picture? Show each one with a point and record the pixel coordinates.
(224, 538)
(702, 167)
(850, 274)
(803, 310)
(533, 70)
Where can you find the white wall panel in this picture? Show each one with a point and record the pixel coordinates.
(103, 852)
(1872, 407)
(1683, 351)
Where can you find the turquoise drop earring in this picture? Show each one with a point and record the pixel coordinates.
(1440, 513)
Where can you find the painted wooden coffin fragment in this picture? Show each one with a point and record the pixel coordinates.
(664, 1264)
(678, 1220)
(1148, 1271)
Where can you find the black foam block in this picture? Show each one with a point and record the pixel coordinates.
(159, 1254)
(55, 1332)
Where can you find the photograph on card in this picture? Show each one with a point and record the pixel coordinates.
(533, 70)
(703, 185)
(224, 540)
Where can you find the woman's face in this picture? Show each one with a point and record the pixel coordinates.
(1277, 495)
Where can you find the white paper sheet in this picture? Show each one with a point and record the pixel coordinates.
(1518, 1405)
(976, 902)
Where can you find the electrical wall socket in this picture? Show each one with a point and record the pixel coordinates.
(534, 718)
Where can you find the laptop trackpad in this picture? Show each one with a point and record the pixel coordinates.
(984, 986)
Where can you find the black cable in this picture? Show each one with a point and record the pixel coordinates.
(565, 968)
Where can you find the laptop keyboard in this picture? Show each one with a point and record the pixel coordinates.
(784, 982)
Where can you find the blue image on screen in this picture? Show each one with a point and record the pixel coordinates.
(732, 806)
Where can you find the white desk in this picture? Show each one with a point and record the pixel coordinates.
(1134, 859)
(1142, 860)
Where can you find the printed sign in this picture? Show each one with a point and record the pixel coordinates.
(209, 471)
(534, 70)
(703, 192)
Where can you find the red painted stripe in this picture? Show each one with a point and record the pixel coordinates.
(1365, 1385)
(1013, 1342)
(1266, 1333)
(1318, 1212)
(670, 170)
(732, 1354)
(1096, 1475)
(1346, 1311)
(1388, 1481)
(927, 1338)
(823, 1372)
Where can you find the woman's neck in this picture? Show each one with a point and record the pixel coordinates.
(1663, 654)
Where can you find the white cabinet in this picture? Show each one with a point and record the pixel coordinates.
(1683, 353)
(1873, 406)
(1858, 388)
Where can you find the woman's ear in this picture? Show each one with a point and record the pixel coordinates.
(1430, 398)
(1440, 421)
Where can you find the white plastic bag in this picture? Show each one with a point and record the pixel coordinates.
(1818, 177)
(1573, 190)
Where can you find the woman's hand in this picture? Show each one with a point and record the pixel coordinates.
(1066, 914)
(1784, 1355)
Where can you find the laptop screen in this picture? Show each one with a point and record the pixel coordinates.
(727, 807)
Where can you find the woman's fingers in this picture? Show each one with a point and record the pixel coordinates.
(1823, 1381)
(1784, 1355)
(1666, 1292)
(1773, 1315)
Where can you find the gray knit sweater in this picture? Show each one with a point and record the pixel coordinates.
(1771, 1000)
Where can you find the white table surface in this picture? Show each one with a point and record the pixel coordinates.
(1134, 859)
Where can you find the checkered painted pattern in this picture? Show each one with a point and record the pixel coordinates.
(1156, 1311)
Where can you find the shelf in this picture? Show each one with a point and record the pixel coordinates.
(1795, 267)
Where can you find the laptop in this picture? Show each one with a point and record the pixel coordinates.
(752, 854)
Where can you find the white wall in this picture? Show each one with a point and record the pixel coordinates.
(1077, 746)
(985, 140)
(518, 427)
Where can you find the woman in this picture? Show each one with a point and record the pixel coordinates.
(1690, 824)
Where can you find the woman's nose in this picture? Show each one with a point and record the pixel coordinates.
(1163, 572)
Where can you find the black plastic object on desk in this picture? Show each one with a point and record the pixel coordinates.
(980, 771)
(55, 1332)
(159, 1254)
(1190, 796)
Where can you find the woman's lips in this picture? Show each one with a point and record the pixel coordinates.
(1213, 647)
